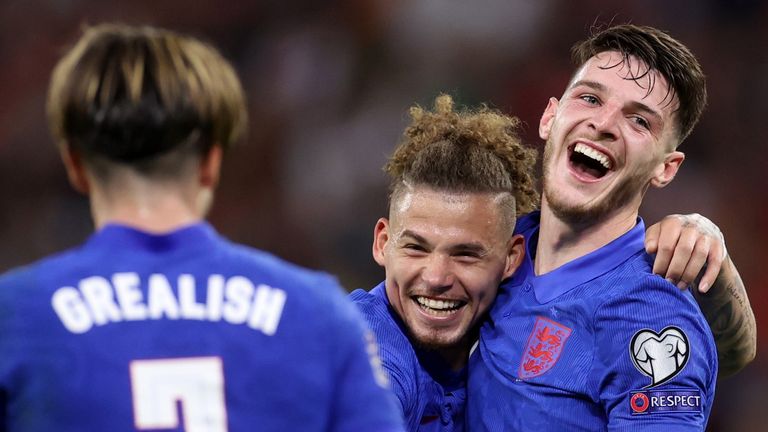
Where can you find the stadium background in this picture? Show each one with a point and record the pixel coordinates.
(329, 83)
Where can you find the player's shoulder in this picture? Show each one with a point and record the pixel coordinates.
(26, 276)
(272, 269)
(633, 274)
(395, 346)
(637, 294)
(372, 304)
(397, 353)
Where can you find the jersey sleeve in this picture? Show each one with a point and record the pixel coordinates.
(655, 360)
(363, 400)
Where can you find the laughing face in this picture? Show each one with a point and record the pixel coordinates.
(445, 255)
(608, 139)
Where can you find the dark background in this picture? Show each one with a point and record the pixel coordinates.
(329, 84)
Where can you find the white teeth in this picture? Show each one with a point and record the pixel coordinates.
(438, 304)
(594, 154)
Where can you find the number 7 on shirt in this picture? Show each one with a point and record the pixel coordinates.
(194, 383)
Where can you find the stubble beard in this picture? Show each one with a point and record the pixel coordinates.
(588, 214)
(433, 340)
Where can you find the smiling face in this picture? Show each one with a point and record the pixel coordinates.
(608, 139)
(445, 255)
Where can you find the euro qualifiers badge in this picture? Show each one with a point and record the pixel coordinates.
(660, 356)
(664, 401)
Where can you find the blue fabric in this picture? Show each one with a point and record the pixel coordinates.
(566, 350)
(431, 395)
(269, 345)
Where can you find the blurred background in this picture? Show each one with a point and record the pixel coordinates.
(329, 84)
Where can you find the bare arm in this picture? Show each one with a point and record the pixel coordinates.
(727, 310)
(690, 251)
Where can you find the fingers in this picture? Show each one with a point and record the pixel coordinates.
(669, 231)
(714, 264)
(702, 251)
(686, 246)
(652, 238)
(686, 258)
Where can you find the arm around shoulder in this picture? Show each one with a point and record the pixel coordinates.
(727, 310)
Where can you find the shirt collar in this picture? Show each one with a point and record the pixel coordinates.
(553, 284)
(198, 235)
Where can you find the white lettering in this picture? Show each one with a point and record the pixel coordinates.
(267, 309)
(675, 401)
(98, 300)
(190, 308)
(215, 297)
(238, 292)
(129, 296)
(71, 310)
(98, 294)
(160, 298)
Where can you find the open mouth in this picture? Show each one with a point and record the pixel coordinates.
(438, 307)
(589, 161)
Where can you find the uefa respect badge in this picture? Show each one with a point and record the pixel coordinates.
(664, 401)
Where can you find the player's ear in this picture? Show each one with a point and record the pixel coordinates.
(210, 166)
(380, 240)
(515, 254)
(666, 171)
(73, 164)
(545, 124)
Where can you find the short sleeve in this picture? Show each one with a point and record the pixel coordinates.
(655, 361)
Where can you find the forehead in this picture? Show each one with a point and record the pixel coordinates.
(629, 78)
(449, 215)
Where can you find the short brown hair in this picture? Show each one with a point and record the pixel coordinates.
(131, 94)
(464, 151)
(660, 52)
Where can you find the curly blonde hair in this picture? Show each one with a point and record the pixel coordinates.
(464, 151)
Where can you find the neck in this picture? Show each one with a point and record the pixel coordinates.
(146, 205)
(561, 242)
(457, 355)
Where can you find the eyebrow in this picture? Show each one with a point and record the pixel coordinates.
(414, 236)
(466, 247)
(635, 105)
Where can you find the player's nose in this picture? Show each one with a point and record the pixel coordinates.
(605, 120)
(438, 271)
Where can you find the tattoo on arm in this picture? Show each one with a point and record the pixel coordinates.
(727, 310)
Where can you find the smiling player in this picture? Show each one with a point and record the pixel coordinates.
(585, 336)
(457, 181)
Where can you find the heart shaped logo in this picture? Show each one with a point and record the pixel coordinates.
(660, 356)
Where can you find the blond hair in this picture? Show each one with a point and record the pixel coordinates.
(464, 151)
(130, 94)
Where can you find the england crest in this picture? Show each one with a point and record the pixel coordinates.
(660, 356)
(543, 348)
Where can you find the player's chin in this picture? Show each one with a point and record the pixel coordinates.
(439, 338)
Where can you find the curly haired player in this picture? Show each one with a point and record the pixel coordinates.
(458, 182)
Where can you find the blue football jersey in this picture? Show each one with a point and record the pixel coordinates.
(183, 331)
(597, 344)
(431, 395)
